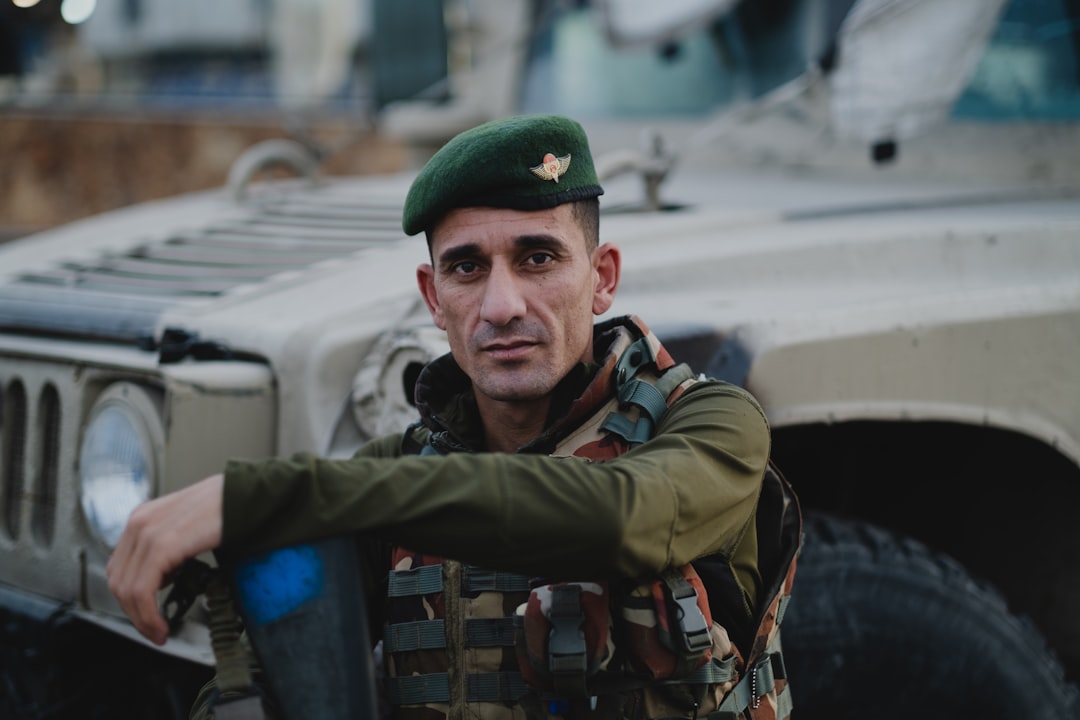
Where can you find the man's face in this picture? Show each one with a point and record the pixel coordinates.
(516, 293)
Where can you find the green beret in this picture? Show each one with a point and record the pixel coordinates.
(526, 162)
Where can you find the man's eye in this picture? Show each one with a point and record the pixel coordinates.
(464, 268)
(539, 259)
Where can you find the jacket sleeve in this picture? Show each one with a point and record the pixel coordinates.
(689, 491)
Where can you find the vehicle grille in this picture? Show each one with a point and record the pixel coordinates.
(30, 435)
(119, 297)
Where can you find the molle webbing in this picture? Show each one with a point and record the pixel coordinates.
(435, 688)
(715, 672)
(422, 635)
(428, 579)
(431, 634)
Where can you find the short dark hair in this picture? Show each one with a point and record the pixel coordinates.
(587, 214)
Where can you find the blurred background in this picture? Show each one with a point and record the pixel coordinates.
(105, 103)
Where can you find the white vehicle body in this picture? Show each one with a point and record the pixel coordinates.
(912, 333)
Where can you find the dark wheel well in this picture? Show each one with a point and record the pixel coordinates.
(1002, 504)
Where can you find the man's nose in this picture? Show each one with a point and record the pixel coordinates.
(503, 300)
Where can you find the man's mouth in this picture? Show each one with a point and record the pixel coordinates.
(509, 351)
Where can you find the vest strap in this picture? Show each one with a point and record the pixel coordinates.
(632, 432)
(784, 706)
(650, 395)
(671, 379)
(477, 580)
(435, 688)
(431, 634)
(496, 687)
(423, 580)
(714, 672)
(489, 632)
(428, 579)
(644, 395)
(760, 681)
(418, 689)
(781, 608)
(419, 635)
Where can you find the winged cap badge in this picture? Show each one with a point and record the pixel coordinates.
(552, 167)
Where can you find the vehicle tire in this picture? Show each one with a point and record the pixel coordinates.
(881, 627)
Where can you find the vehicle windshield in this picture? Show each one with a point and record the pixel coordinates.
(354, 56)
(1029, 69)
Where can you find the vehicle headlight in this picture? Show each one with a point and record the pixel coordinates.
(382, 387)
(119, 458)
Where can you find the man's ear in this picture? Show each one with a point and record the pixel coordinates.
(425, 280)
(607, 264)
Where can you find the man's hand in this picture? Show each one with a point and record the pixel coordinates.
(160, 535)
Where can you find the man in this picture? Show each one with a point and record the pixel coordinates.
(525, 461)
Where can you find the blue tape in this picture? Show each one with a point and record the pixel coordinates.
(273, 585)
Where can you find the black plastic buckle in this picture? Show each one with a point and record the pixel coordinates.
(566, 641)
(693, 631)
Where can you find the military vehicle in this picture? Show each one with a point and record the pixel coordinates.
(896, 279)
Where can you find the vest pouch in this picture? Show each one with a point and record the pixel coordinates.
(667, 625)
(562, 636)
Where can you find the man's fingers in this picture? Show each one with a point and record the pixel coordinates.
(159, 536)
(136, 573)
(145, 574)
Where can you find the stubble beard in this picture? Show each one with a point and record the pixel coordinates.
(512, 381)
(526, 385)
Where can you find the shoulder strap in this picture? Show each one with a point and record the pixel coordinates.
(638, 386)
(764, 690)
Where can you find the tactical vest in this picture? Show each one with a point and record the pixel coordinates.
(440, 610)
